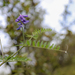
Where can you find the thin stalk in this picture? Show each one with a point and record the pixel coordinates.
(23, 34)
(2, 50)
(11, 56)
(31, 37)
(24, 42)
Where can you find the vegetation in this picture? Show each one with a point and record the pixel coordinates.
(35, 55)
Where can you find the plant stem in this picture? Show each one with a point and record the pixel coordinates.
(23, 34)
(11, 56)
(24, 42)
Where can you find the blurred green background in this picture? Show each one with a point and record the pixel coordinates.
(44, 62)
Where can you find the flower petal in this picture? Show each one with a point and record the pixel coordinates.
(19, 27)
(19, 23)
(26, 22)
(25, 15)
(17, 20)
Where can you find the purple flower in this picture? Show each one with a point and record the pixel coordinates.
(26, 22)
(25, 15)
(19, 23)
(19, 27)
(21, 19)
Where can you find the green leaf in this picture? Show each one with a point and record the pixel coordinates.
(16, 58)
(45, 44)
(48, 44)
(21, 41)
(58, 48)
(37, 32)
(20, 45)
(54, 47)
(41, 45)
(34, 43)
(51, 46)
(29, 35)
(25, 43)
(38, 43)
(35, 37)
(28, 42)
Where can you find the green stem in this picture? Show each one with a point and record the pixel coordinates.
(11, 56)
(23, 34)
(24, 42)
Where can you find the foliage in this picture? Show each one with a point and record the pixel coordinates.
(30, 43)
(48, 57)
(36, 33)
(16, 58)
(42, 44)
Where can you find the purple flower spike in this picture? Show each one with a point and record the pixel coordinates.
(21, 19)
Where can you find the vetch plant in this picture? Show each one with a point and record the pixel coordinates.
(21, 20)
